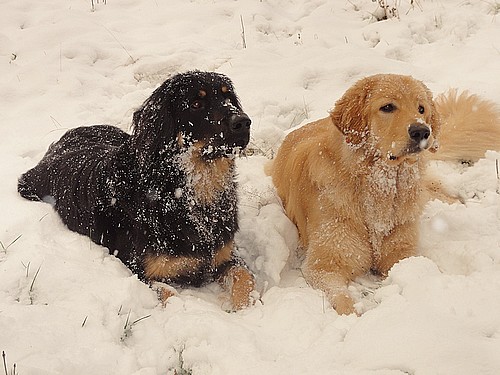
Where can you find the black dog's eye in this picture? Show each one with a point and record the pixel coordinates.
(197, 104)
(388, 108)
(421, 109)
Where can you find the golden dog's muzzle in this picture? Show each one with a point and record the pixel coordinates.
(419, 139)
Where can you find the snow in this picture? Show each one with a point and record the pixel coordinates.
(67, 307)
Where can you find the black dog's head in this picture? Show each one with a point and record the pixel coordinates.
(188, 108)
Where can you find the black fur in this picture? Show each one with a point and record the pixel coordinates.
(131, 193)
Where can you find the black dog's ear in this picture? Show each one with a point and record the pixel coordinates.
(154, 127)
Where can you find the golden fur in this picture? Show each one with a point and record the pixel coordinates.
(352, 182)
(472, 126)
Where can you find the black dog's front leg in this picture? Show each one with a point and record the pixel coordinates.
(232, 273)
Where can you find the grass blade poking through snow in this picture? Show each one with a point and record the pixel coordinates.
(127, 328)
(4, 363)
(33, 284)
(14, 371)
(243, 36)
(498, 176)
(34, 279)
(4, 248)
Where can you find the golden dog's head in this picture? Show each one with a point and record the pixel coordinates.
(391, 116)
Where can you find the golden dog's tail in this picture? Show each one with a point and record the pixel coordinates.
(470, 127)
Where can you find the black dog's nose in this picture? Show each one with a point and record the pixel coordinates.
(239, 123)
(419, 132)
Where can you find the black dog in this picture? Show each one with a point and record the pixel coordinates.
(162, 199)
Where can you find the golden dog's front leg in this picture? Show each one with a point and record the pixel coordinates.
(401, 243)
(337, 254)
(334, 284)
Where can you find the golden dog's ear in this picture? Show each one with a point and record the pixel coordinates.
(349, 114)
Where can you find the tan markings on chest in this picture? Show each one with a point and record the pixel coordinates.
(206, 178)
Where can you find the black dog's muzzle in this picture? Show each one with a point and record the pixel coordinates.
(239, 130)
(232, 139)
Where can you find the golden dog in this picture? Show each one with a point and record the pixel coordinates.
(352, 182)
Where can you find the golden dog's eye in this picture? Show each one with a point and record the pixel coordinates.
(388, 108)
(421, 109)
(197, 104)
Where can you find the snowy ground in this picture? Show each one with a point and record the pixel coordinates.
(66, 307)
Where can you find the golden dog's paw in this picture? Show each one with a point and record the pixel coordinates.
(343, 304)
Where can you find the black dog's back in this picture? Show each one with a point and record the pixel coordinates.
(75, 153)
(64, 176)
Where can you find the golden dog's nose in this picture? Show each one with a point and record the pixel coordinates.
(419, 132)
